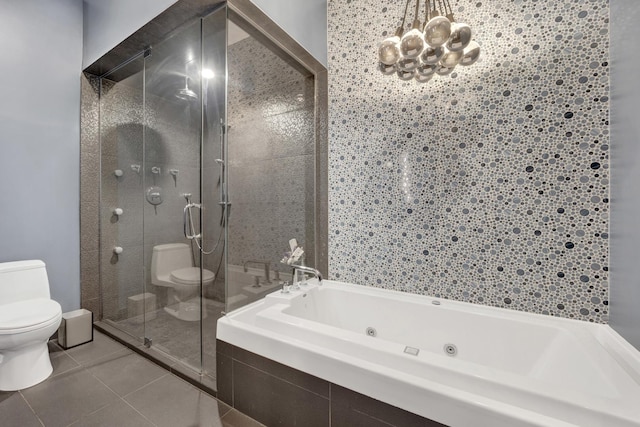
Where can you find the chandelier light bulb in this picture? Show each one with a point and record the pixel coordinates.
(408, 64)
(437, 31)
(460, 37)
(405, 75)
(431, 55)
(423, 79)
(443, 71)
(385, 69)
(426, 70)
(389, 53)
(451, 59)
(471, 54)
(425, 51)
(412, 43)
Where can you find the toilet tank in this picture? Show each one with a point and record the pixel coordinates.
(169, 257)
(22, 280)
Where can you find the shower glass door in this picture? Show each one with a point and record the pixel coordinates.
(215, 198)
(172, 158)
(163, 195)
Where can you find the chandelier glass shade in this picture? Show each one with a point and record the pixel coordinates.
(435, 47)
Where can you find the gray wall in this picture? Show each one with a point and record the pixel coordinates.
(39, 138)
(305, 21)
(489, 185)
(107, 23)
(625, 191)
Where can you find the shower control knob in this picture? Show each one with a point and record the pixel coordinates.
(118, 211)
(117, 250)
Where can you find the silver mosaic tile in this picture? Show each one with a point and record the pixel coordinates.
(490, 185)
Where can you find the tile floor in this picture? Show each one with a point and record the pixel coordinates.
(103, 383)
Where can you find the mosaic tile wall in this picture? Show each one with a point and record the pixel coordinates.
(489, 185)
(271, 155)
(170, 142)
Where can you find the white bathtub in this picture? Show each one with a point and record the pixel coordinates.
(511, 368)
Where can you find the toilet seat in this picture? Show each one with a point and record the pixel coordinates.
(191, 276)
(28, 315)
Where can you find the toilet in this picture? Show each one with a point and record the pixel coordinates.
(172, 267)
(28, 318)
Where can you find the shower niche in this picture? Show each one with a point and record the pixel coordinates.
(203, 147)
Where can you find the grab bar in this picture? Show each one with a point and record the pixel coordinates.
(185, 211)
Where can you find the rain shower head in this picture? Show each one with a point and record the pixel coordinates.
(185, 93)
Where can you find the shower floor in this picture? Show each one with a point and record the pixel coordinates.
(179, 339)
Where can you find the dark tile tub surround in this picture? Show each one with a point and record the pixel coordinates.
(277, 395)
(490, 185)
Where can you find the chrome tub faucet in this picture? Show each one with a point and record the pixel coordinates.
(267, 279)
(309, 270)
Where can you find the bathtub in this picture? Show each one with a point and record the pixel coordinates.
(455, 363)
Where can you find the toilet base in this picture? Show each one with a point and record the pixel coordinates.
(24, 367)
(186, 310)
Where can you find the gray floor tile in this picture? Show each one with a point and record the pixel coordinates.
(205, 380)
(67, 397)
(237, 419)
(172, 402)
(117, 414)
(14, 411)
(125, 371)
(60, 361)
(100, 347)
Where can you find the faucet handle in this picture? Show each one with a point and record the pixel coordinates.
(286, 287)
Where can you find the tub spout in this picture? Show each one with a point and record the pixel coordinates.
(309, 270)
(267, 279)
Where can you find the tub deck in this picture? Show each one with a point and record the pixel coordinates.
(509, 368)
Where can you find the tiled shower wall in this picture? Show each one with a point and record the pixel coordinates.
(271, 168)
(90, 194)
(271, 155)
(489, 185)
(171, 142)
(168, 147)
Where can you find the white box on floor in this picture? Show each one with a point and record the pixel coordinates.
(76, 328)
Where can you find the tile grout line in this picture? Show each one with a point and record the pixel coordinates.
(30, 407)
(284, 380)
(241, 413)
(231, 408)
(146, 385)
(136, 409)
(122, 398)
(131, 392)
(330, 403)
(101, 407)
(104, 357)
(100, 358)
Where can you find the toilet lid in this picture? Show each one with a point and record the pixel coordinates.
(191, 276)
(23, 316)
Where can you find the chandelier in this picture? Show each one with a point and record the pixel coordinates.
(436, 47)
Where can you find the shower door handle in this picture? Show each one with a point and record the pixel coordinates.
(187, 212)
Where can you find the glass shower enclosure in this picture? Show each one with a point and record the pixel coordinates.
(209, 116)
